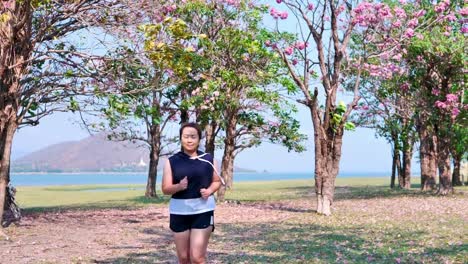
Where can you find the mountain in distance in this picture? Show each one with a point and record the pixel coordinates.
(92, 154)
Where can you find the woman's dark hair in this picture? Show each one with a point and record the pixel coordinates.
(193, 125)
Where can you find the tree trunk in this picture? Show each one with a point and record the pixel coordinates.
(7, 131)
(326, 171)
(406, 175)
(443, 162)
(463, 176)
(428, 158)
(328, 145)
(395, 160)
(153, 162)
(152, 174)
(227, 164)
(456, 179)
(227, 169)
(210, 137)
(15, 49)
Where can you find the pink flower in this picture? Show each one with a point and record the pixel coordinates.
(341, 8)
(420, 13)
(455, 112)
(439, 8)
(440, 104)
(310, 7)
(397, 24)
(446, 33)
(435, 92)
(404, 87)
(169, 9)
(413, 23)
(400, 12)
(384, 11)
(8, 4)
(409, 33)
(268, 43)
(463, 11)
(451, 17)
(289, 50)
(397, 57)
(419, 36)
(301, 45)
(274, 13)
(365, 107)
(279, 1)
(384, 56)
(294, 61)
(464, 30)
(216, 93)
(284, 15)
(233, 2)
(451, 98)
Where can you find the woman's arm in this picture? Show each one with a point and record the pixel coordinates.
(168, 187)
(215, 184)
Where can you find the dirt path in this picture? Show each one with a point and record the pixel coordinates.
(111, 236)
(143, 236)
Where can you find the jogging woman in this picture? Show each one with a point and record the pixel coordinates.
(191, 178)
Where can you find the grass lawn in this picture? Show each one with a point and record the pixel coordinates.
(128, 196)
(274, 222)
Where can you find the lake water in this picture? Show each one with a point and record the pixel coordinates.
(42, 179)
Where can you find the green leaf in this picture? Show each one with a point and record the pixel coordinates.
(349, 126)
(68, 74)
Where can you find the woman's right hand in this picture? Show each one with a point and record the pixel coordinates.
(183, 183)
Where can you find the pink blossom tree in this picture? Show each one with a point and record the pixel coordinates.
(424, 46)
(320, 51)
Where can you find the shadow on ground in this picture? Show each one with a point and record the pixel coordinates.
(367, 192)
(309, 243)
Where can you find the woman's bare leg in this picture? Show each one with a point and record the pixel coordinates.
(182, 242)
(198, 244)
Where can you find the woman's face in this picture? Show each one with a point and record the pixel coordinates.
(190, 139)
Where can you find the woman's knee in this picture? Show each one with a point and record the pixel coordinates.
(198, 259)
(184, 259)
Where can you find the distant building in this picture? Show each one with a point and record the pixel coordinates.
(141, 163)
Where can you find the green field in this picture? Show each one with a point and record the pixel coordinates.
(101, 196)
(128, 196)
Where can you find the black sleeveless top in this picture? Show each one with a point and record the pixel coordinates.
(199, 174)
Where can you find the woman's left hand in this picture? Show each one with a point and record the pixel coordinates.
(205, 193)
